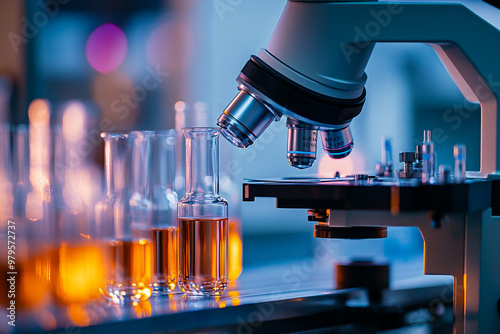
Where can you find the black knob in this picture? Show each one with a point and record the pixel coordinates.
(363, 273)
(407, 157)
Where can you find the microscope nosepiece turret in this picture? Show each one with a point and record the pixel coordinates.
(265, 95)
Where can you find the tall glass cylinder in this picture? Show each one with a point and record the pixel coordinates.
(6, 189)
(77, 260)
(428, 159)
(202, 215)
(124, 217)
(164, 198)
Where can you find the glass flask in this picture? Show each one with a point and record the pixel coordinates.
(124, 217)
(165, 232)
(202, 216)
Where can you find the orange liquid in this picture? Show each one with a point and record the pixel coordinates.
(203, 245)
(235, 254)
(129, 273)
(165, 259)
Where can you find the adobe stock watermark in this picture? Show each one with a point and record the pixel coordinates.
(436, 307)
(122, 107)
(222, 7)
(294, 276)
(138, 93)
(93, 312)
(11, 274)
(31, 26)
(366, 34)
(235, 168)
(455, 116)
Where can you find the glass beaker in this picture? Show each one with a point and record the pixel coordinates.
(165, 232)
(202, 215)
(124, 217)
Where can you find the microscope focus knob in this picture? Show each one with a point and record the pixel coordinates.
(407, 157)
(363, 273)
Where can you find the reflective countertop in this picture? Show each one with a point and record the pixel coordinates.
(263, 295)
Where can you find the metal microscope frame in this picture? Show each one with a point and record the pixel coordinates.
(467, 40)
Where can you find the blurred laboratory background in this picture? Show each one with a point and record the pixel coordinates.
(168, 64)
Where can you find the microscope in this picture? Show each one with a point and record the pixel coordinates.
(313, 73)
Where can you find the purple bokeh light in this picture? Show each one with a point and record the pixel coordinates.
(106, 48)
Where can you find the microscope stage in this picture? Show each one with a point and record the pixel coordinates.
(372, 193)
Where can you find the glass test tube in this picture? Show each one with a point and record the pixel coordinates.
(460, 156)
(124, 217)
(428, 159)
(164, 199)
(77, 261)
(202, 215)
(387, 161)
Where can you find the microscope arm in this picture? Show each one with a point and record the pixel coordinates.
(325, 46)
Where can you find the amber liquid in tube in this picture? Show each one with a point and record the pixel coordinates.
(203, 262)
(166, 259)
(130, 270)
(31, 281)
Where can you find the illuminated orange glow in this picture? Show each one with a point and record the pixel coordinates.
(222, 304)
(172, 303)
(78, 315)
(235, 256)
(424, 253)
(180, 115)
(39, 112)
(465, 289)
(234, 297)
(80, 273)
(180, 106)
(73, 122)
(233, 294)
(142, 309)
(353, 163)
